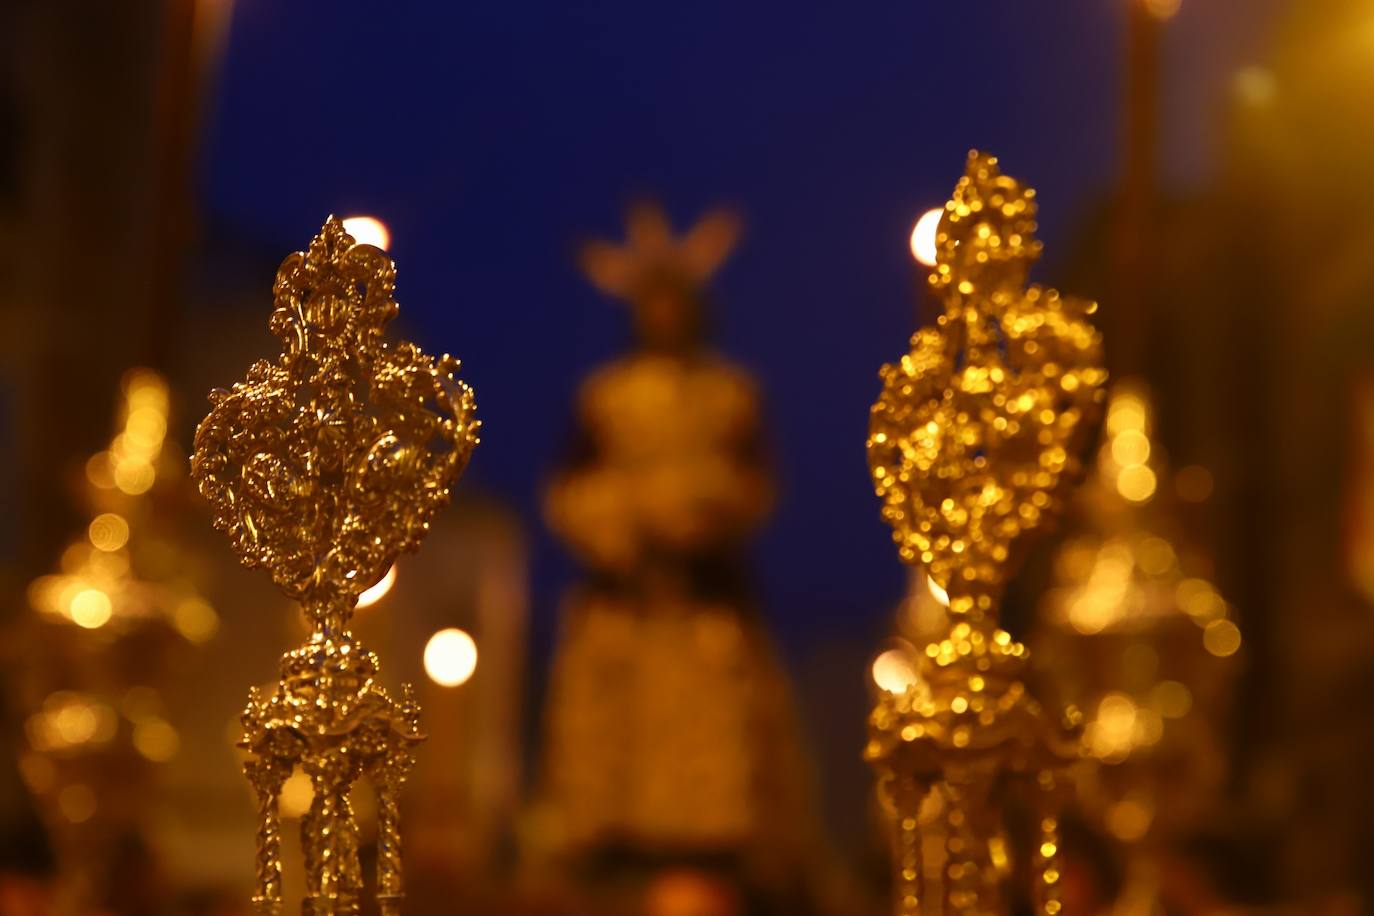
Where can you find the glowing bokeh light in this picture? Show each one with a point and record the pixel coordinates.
(108, 532)
(297, 792)
(195, 620)
(937, 592)
(1163, 9)
(91, 608)
(1255, 86)
(1130, 447)
(923, 236)
(374, 594)
(1130, 818)
(156, 740)
(368, 230)
(1173, 698)
(1136, 483)
(450, 657)
(76, 802)
(893, 671)
(1221, 638)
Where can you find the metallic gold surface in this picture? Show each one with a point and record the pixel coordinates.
(974, 434)
(321, 467)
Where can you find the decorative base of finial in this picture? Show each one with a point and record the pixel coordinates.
(330, 906)
(329, 718)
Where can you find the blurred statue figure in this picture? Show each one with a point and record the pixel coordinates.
(670, 730)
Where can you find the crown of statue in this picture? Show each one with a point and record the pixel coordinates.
(652, 255)
(322, 466)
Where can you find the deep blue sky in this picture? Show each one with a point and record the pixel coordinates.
(491, 136)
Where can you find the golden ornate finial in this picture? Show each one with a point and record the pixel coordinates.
(975, 431)
(977, 426)
(321, 467)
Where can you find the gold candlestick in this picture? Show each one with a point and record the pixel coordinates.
(321, 467)
(975, 432)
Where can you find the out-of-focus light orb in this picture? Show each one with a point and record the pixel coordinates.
(1115, 730)
(1126, 412)
(1136, 483)
(1162, 9)
(297, 792)
(374, 594)
(91, 608)
(368, 230)
(937, 591)
(73, 719)
(1173, 698)
(1156, 556)
(108, 531)
(1255, 86)
(134, 477)
(156, 739)
(1130, 447)
(1221, 638)
(99, 471)
(76, 802)
(1200, 601)
(923, 236)
(894, 671)
(450, 657)
(1129, 819)
(689, 892)
(195, 620)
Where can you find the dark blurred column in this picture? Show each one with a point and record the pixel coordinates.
(85, 79)
(1127, 323)
(108, 95)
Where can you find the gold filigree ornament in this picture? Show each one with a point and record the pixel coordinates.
(321, 467)
(975, 433)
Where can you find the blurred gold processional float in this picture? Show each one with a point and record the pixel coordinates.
(123, 607)
(321, 467)
(1134, 634)
(670, 731)
(975, 433)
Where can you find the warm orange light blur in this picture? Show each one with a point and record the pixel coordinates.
(923, 236)
(91, 608)
(108, 532)
(1221, 638)
(937, 592)
(368, 230)
(1255, 85)
(450, 657)
(378, 591)
(297, 792)
(893, 671)
(1162, 9)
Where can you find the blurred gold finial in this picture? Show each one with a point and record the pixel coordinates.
(978, 424)
(652, 255)
(322, 466)
(970, 441)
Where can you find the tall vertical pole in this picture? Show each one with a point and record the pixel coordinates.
(1133, 235)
